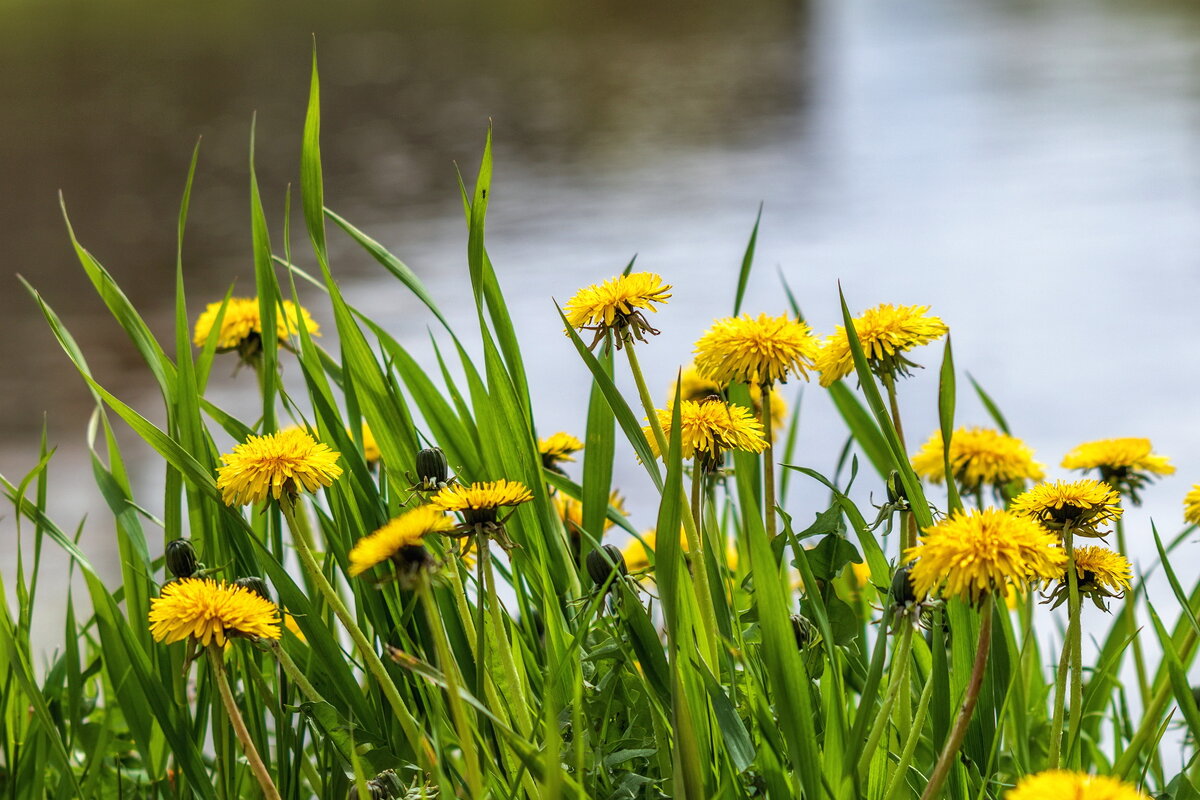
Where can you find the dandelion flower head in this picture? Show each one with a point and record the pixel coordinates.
(1066, 785)
(1083, 505)
(756, 350)
(1191, 505)
(1126, 464)
(557, 448)
(636, 552)
(570, 511)
(371, 451)
(885, 332)
(1100, 573)
(694, 386)
(979, 457)
(617, 305)
(287, 462)
(708, 429)
(242, 323)
(970, 555)
(405, 531)
(211, 612)
(480, 502)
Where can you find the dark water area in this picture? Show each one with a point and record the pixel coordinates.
(104, 102)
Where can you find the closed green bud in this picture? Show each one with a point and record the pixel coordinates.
(902, 592)
(432, 468)
(256, 585)
(895, 489)
(803, 630)
(604, 563)
(181, 558)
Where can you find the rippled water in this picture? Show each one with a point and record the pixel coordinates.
(1030, 170)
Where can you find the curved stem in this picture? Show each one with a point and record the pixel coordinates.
(639, 380)
(959, 731)
(293, 672)
(257, 766)
(302, 539)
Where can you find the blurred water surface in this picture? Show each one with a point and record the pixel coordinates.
(1029, 169)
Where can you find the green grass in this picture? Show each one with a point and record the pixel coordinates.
(548, 686)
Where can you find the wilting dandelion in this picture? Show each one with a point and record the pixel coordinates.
(401, 542)
(886, 332)
(1083, 506)
(979, 457)
(241, 327)
(617, 305)
(276, 465)
(1126, 464)
(1067, 785)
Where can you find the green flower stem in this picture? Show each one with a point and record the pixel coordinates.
(293, 672)
(462, 724)
(302, 538)
(910, 743)
(704, 598)
(954, 742)
(1129, 623)
(768, 460)
(508, 665)
(1060, 693)
(1075, 645)
(889, 383)
(215, 659)
(897, 680)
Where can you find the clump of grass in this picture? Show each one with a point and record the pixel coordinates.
(425, 602)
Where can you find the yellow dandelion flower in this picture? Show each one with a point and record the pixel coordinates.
(979, 457)
(763, 350)
(287, 462)
(1067, 785)
(480, 502)
(1191, 505)
(708, 429)
(980, 552)
(885, 332)
(1083, 505)
(557, 448)
(207, 611)
(617, 305)
(371, 452)
(693, 386)
(241, 328)
(570, 511)
(1125, 464)
(1100, 573)
(395, 538)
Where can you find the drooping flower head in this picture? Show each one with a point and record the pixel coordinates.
(617, 305)
(710, 428)
(1082, 505)
(1100, 573)
(759, 350)
(400, 541)
(1191, 505)
(694, 386)
(885, 332)
(973, 554)
(558, 448)
(480, 503)
(1061, 784)
(284, 463)
(1127, 464)
(241, 327)
(211, 612)
(979, 457)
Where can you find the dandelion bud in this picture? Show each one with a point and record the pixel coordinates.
(802, 629)
(181, 558)
(432, 468)
(902, 591)
(384, 786)
(895, 489)
(604, 563)
(256, 585)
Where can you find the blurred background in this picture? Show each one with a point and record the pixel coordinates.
(1028, 169)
